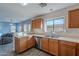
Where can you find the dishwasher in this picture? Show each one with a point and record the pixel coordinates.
(38, 42)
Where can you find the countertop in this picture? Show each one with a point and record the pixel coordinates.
(61, 38)
(70, 39)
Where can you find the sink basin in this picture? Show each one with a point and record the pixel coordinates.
(53, 36)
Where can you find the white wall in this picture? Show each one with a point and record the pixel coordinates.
(62, 13)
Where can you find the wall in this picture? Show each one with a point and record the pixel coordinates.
(61, 13)
(74, 32)
(5, 27)
(22, 25)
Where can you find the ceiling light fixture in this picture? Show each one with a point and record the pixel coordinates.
(43, 4)
(24, 4)
(11, 22)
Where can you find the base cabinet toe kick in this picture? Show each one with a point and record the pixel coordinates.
(52, 46)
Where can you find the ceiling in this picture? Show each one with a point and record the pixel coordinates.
(17, 12)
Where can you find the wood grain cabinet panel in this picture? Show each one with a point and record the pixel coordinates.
(23, 43)
(44, 44)
(67, 48)
(20, 44)
(33, 24)
(73, 18)
(53, 46)
(37, 23)
(77, 49)
(31, 42)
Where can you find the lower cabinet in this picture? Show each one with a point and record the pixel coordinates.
(23, 43)
(67, 48)
(53, 46)
(31, 42)
(44, 44)
(77, 49)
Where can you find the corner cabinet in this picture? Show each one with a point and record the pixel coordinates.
(31, 42)
(24, 43)
(67, 48)
(21, 44)
(37, 23)
(73, 21)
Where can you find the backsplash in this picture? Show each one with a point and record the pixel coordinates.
(38, 31)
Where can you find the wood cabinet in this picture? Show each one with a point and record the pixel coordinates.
(37, 23)
(73, 18)
(21, 44)
(67, 48)
(53, 46)
(44, 44)
(24, 43)
(77, 51)
(31, 42)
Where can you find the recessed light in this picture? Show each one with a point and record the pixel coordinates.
(51, 9)
(24, 4)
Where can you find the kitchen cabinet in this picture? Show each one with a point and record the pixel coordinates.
(24, 43)
(67, 48)
(37, 23)
(73, 18)
(44, 44)
(31, 42)
(77, 49)
(21, 44)
(53, 46)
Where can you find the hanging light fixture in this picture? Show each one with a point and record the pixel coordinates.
(11, 22)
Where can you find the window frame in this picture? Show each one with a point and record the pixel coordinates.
(64, 26)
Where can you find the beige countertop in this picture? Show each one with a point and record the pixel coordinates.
(70, 39)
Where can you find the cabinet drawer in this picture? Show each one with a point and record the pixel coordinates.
(68, 43)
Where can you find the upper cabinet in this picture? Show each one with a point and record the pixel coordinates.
(37, 23)
(73, 18)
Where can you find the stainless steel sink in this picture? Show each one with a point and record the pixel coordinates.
(53, 36)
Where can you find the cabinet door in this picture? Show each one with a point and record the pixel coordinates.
(33, 24)
(67, 48)
(29, 43)
(37, 23)
(23, 44)
(53, 46)
(17, 44)
(32, 42)
(77, 49)
(44, 44)
(74, 18)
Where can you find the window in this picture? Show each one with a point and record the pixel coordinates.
(13, 28)
(27, 27)
(20, 28)
(55, 25)
(49, 25)
(59, 24)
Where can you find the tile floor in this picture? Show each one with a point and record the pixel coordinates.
(8, 50)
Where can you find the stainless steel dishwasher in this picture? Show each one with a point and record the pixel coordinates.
(38, 42)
